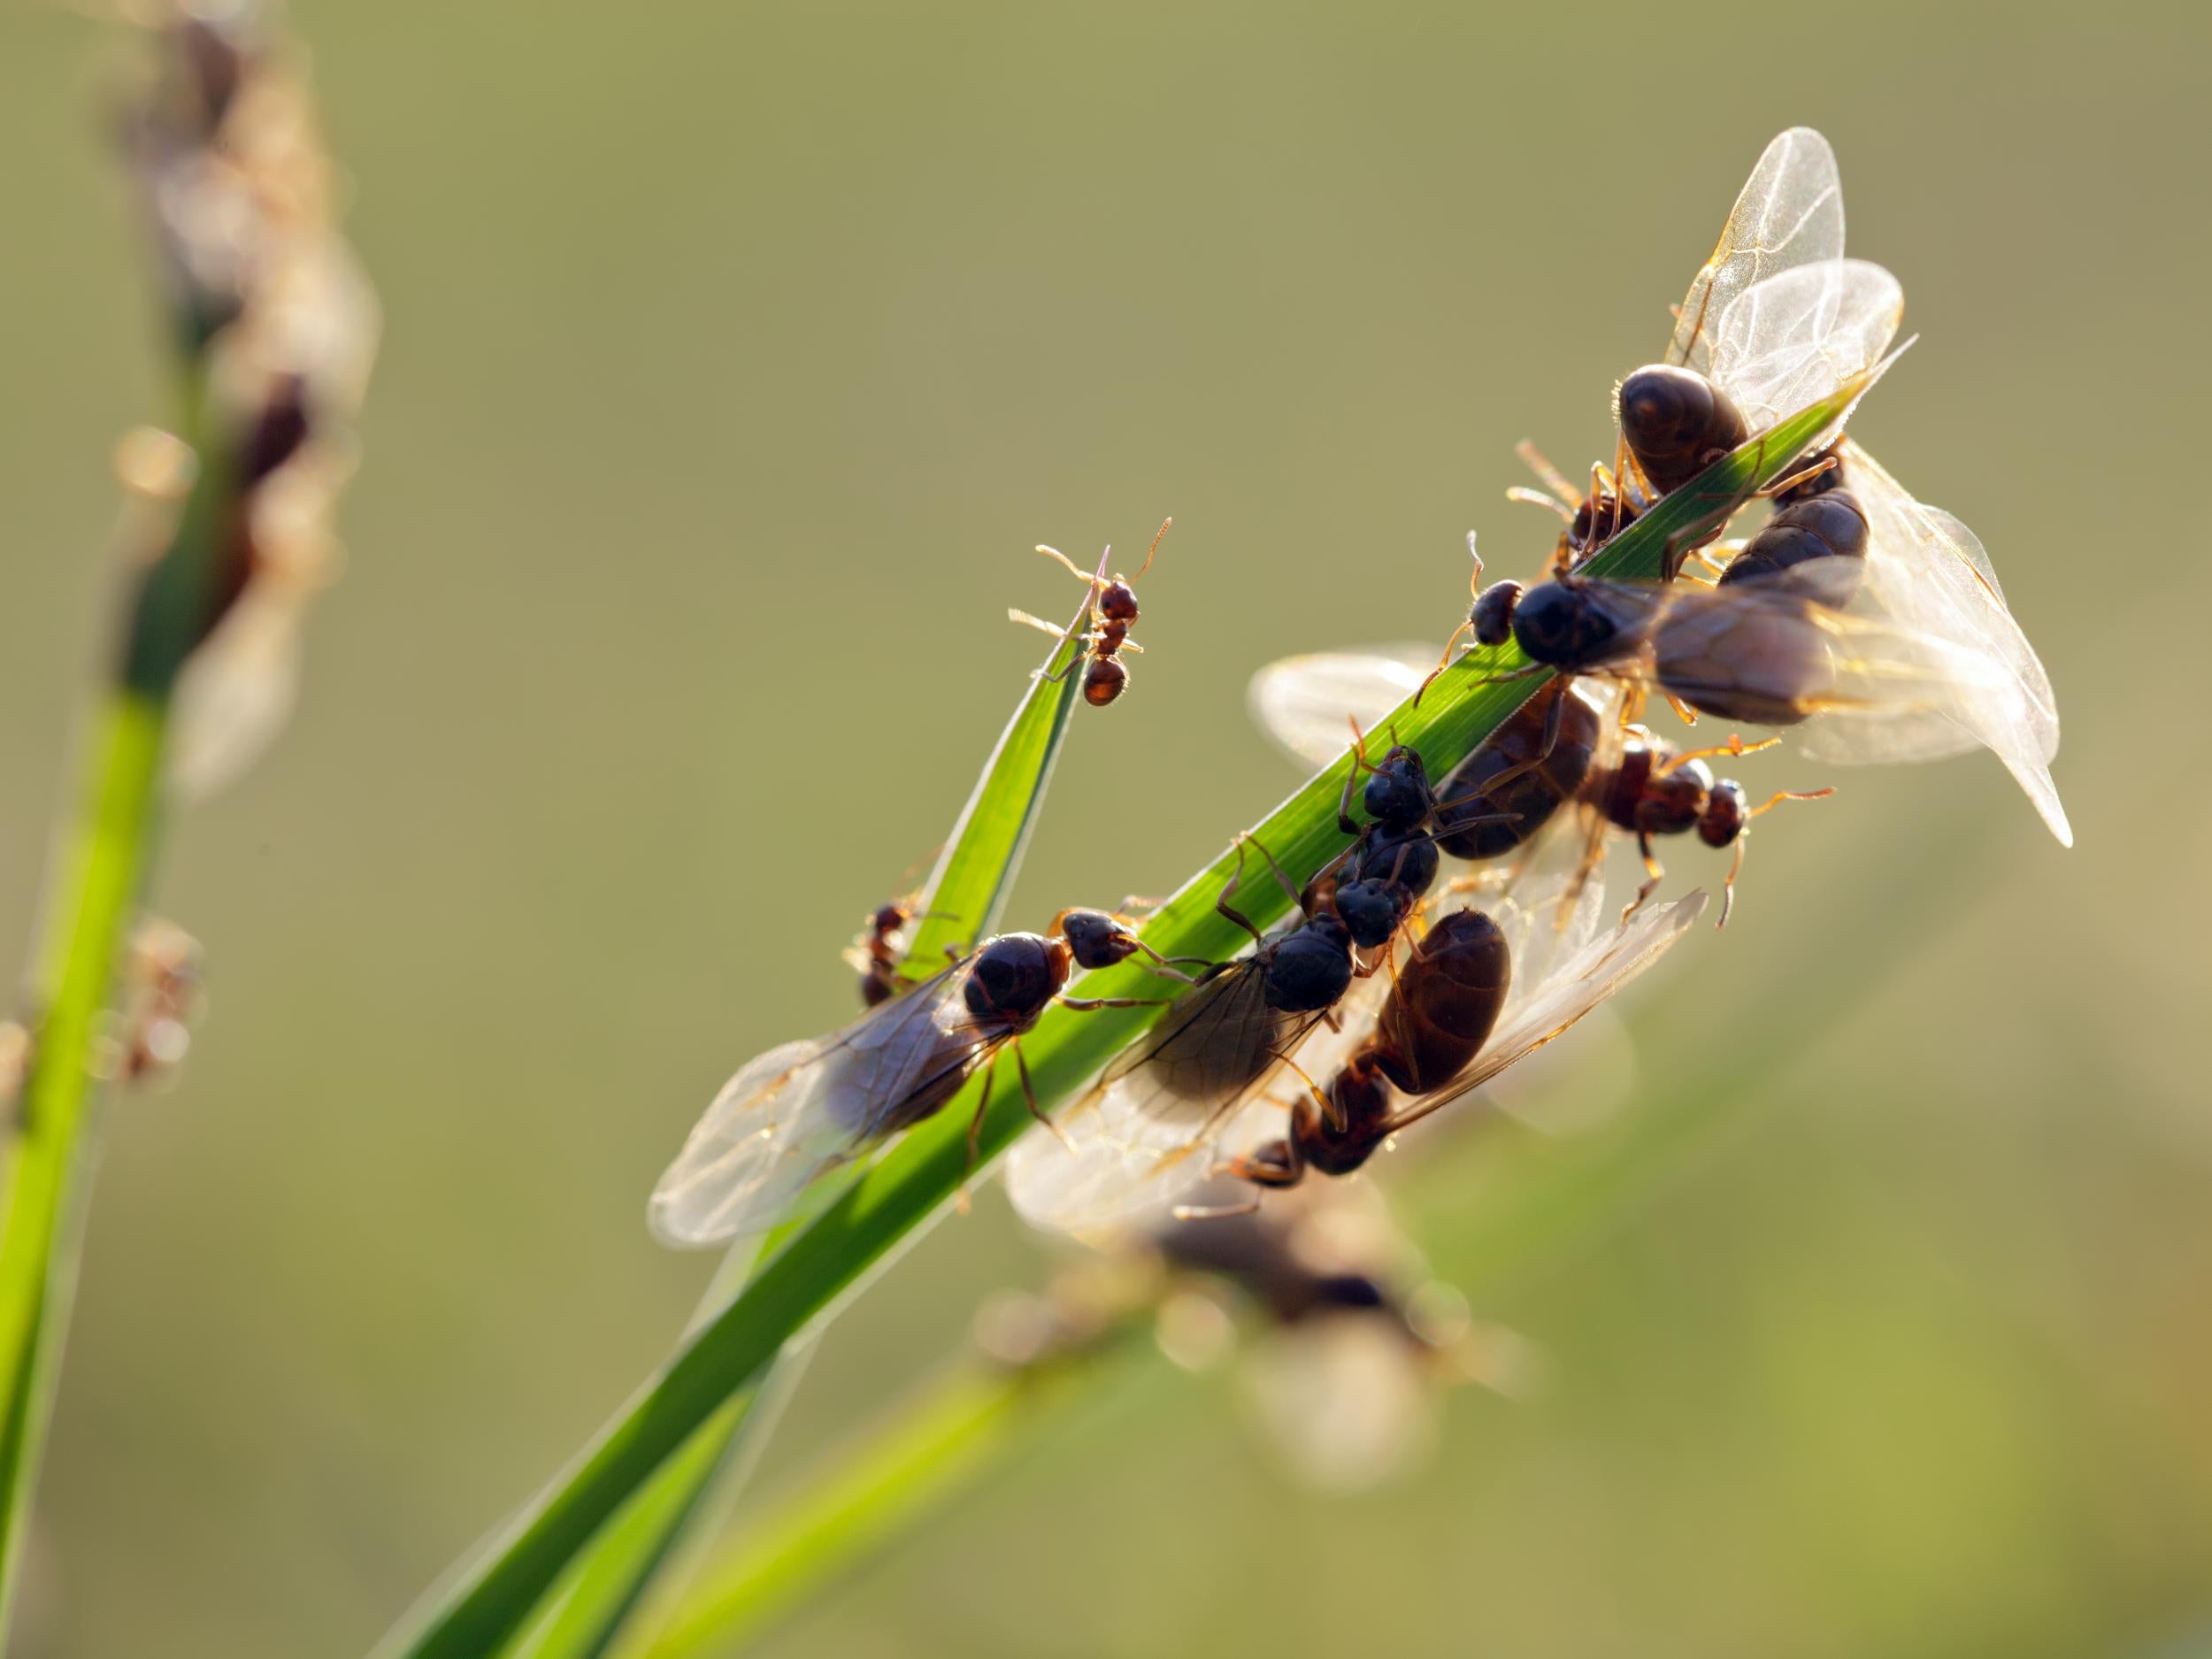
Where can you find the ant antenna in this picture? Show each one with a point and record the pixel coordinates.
(1149, 551)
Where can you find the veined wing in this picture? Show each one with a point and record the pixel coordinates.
(1306, 704)
(1765, 657)
(791, 1114)
(1578, 985)
(1789, 213)
(1134, 1145)
(1925, 571)
(1787, 342)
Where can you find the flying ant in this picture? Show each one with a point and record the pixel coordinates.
(1113, 613)
(802, 1108)
(1439, 1037)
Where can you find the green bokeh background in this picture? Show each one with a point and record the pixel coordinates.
(736, 356)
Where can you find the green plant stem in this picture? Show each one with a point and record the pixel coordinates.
(939, 1442)
(833, 1254)
(1549, 1199)
(103, 867)
(605, 1596)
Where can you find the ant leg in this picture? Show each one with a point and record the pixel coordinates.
(1029, 1095)
(1526, 497)
(1445, 661)
(1222, 903)
(1551, 477)
(1654, 874)
(1074, 570)
(1804, 476)
(1164, 965)
(1711, 566)
(1028, 620)
(1277, 868)
(1088, 1002)
(1522, 672)
(1359, 765)
(975, 1124)
(1734, 747)
(1728, 886)
(1683, 712)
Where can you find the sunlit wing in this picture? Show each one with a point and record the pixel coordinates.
(1347, 1398)
(1537, 1014)
(1789, 213)
(788, 1117)
(1306, 704)
(762, 1142)
(1926, 571)
(1131, 1148)
(1776, 657)
(236, 690)
(1787, 343)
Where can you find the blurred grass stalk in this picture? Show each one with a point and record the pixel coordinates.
(833, 1254)
(602, 1598)
(225, 530)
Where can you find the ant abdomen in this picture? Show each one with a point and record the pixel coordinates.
(1677, 423)
(1446, 1000)
(1812, 538)
(1558, 762)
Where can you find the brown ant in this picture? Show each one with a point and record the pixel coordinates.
(1113, 613)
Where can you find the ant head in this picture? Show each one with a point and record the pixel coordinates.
(1492, 616)
(1725, 814)
(1557, 625)
(1370, 911)
(1397, 792)
(1117, 601)
(889, 918)
(1096, 938)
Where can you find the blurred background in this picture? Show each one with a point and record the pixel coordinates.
(734, 358)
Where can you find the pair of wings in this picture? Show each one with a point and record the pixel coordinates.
(1778, 318)
(796, 1112)
(1121, 1159)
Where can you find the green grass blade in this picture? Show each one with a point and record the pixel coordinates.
(966, 893)
(833, 1255)
(601, 1595)
(939, 1443)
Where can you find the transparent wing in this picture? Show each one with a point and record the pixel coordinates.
(1305, 704)
(1927, 572)
(1761, 655)
(1159, 1121)
(1784, 343)
(761, 1143)
(788, 1117)
(1789, 213)
(238, 690)
(1347, 1398)
(1532, 1019)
